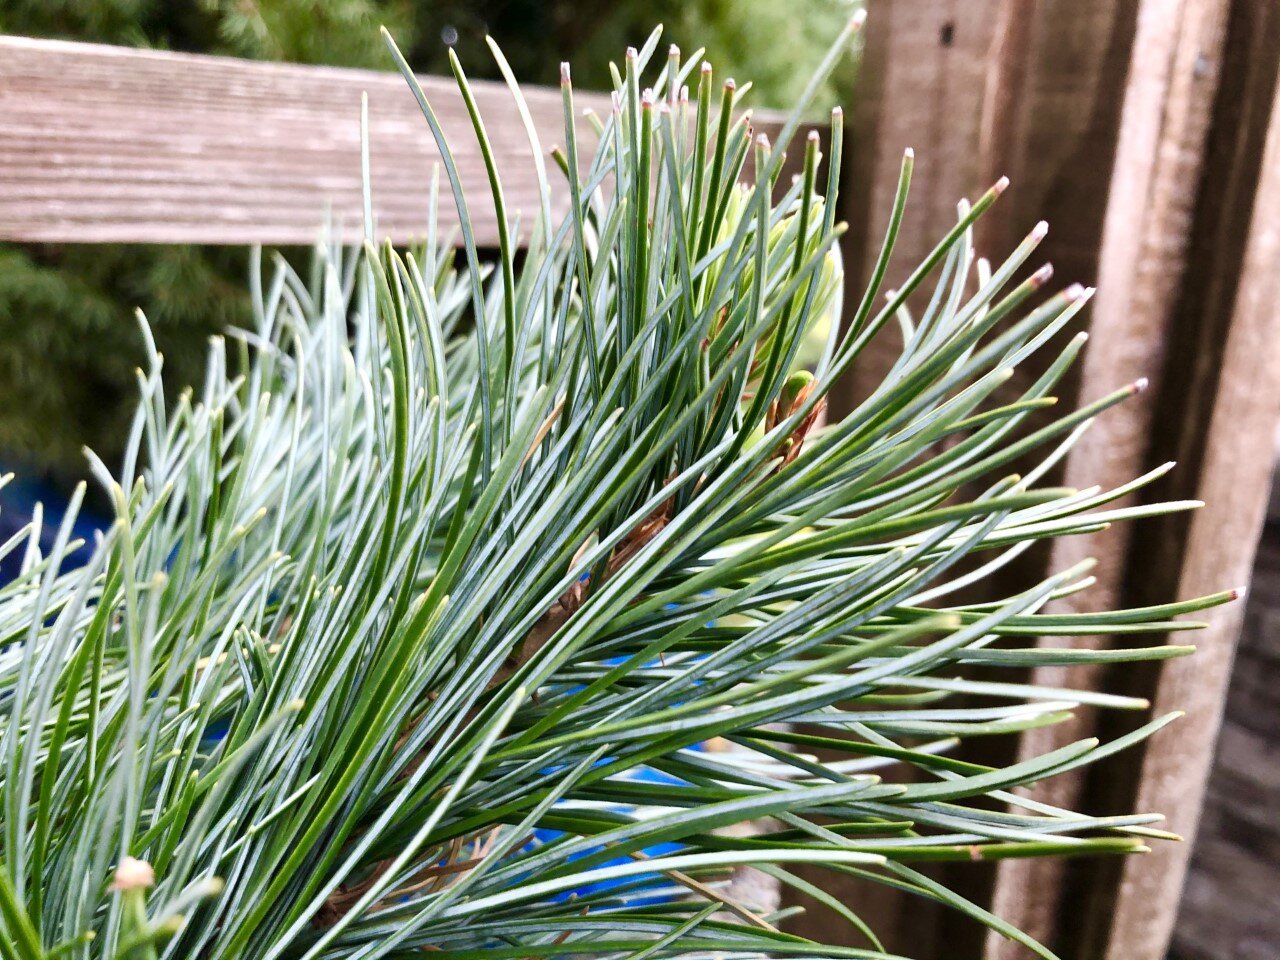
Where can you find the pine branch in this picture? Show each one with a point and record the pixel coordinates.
(412, 624)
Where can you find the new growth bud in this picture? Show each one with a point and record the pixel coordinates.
(133, 874)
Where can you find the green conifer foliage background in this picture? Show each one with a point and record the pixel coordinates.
(68, 344)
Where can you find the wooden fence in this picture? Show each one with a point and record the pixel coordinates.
(106, 144)
(1146, 131)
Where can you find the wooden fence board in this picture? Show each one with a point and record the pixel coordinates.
(1167, 97)
(1035, 99)
(104, 144)
(107, 144)
(1100, 112)
(1219, 415)
(937, 50)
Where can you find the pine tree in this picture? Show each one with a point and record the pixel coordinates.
(413, 622)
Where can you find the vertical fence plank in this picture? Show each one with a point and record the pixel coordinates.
(922, 82)
(1219, 413)
(1234, 480)
(1167, 98)
(1100, 112)
(921, 85)
(1159, 155)
(1057, 139)
(1042, 108)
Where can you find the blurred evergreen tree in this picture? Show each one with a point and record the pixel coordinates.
(68, 343)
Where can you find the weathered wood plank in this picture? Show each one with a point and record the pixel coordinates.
(1227, 908)
(1190, 180)
(922, 83)
(1035, 99)
(1099, 112)
(1166, 102)
(107, 144)
(1232, 378)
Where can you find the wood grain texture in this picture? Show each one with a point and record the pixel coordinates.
(106, 144)
(923, 82)
(1239, 374)
(1227, 910)
(1159, 147)
(1159, 154)
(1032, 94)
(1100, 112)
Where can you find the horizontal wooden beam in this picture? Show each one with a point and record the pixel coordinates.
(108, 144)
(103, 144)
